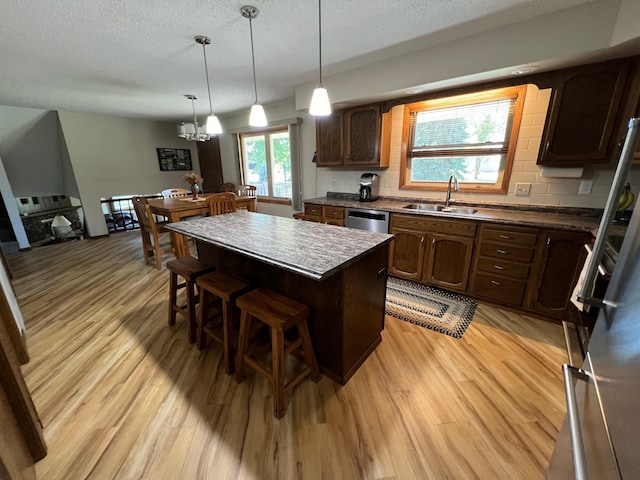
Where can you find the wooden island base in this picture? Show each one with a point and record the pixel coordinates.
(347, 308)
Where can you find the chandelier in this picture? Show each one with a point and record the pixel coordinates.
(193, 130)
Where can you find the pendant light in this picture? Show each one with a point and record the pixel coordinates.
(192, 131)
(320, 105)
(257, 118)
(213, 126)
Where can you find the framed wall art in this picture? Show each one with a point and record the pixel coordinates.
(174, 159)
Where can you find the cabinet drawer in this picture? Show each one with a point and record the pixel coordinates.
(313, 210)
(334, 221)
(507, 252)
(427, 223)
(509, 236)
(501, 289)
(502, 267)
(332, 212)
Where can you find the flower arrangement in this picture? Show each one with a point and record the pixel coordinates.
(192, 178)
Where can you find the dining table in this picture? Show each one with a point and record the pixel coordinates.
(179, 208)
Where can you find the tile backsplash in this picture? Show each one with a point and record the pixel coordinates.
(545, 190)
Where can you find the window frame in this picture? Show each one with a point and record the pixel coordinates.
(243, 175)
(502, 184)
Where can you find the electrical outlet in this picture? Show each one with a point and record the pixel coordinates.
(523, 189)
(333, 182)
(585, 187)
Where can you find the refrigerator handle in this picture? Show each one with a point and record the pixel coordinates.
(577, 444)
(624, 164)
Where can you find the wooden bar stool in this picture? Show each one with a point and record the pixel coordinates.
(280, 313)
(188, 268)
(225, 288)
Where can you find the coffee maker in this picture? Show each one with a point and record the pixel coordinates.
(368, 187)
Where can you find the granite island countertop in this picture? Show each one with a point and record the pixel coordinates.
(311, 249)
(576, 219)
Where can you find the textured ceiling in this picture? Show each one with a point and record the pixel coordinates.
(138, 58)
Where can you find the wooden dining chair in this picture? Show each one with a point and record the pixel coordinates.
(247, 190)
(175, 192)
(220, 203)
(228, 187)
(152, 243)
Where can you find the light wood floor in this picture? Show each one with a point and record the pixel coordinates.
(123, 395)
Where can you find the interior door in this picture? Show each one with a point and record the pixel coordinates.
(211, 165)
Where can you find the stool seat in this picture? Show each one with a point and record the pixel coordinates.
(280, 313)
(189, 268)
(226, 288)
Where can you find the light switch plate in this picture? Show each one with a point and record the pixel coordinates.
(585, 187)
(523, 189)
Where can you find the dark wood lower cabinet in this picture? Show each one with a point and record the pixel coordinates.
(433, 251)
(527, 268)
(559, 260)
(448, 260)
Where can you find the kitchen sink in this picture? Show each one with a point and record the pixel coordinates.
(425, 207)
(460, 210)
(430, 207)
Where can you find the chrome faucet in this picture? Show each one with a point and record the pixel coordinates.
(455, 187)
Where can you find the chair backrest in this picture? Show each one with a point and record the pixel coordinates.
(145, 217)
(220, 203)
(175, 192)
(247, 190)
(228, 187)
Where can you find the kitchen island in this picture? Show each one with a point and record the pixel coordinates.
(339, 272)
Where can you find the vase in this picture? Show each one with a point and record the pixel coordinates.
(195, 189)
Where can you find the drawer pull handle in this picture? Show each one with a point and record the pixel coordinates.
(506, 237)
(496, 283)
(498, 267)
(502, 251)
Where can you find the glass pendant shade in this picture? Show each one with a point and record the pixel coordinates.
(320, 105)
(257, 117)
(213, 125)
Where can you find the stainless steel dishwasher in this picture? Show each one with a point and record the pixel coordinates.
(371, 220)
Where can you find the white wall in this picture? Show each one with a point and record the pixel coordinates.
(31, 151)
(117, 156)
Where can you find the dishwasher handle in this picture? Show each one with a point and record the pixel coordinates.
(369, 215)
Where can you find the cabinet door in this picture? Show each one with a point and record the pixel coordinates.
(556, 269)
(362, 135)
(448, 261)
(582, 115)
(329, 140)
(407, 253)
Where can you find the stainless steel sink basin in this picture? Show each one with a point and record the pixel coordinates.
(430, 207)
(460, 210)
(425, 207)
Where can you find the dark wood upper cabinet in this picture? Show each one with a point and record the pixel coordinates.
(583, 115)
(362, 135)
(329, 140)
(350, 138)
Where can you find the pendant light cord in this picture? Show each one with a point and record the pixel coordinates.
(320, 40)
(253, 61)
(206, 72)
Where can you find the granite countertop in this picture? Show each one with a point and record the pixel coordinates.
(311, 249)
(576, 219)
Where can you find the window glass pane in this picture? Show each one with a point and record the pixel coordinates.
(483, 125)
(255, 159)
(280, 164)
(473, 169)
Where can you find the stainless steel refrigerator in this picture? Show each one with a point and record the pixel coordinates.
(600, 438)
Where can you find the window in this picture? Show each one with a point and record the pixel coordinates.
(470, 136)
(266, 162)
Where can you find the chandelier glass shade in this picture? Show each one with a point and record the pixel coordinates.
(193, 131)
